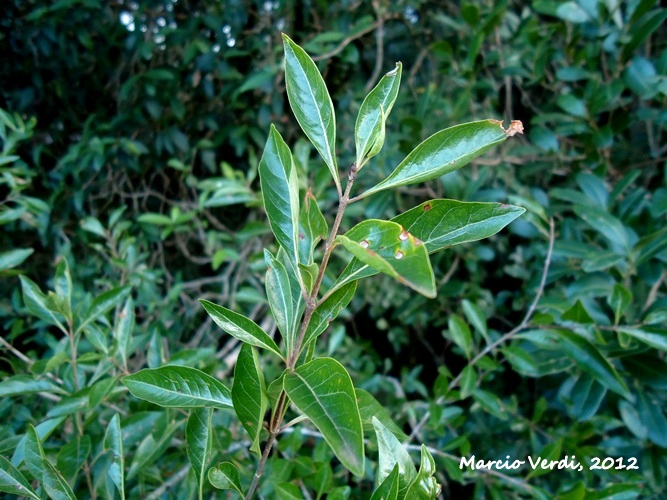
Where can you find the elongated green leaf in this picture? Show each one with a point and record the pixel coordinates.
(388, 489)
(225, 476)
(312, 228)
(44, 430)
(442, 224)
(655, 337)
(328, 310)
(279, 294)
(280, 191)
(113, 441)
(589, 359)
(38, 304)
(608, 226)
(619, 300)
(123, 331)
(151, 448)
(178, 387)
(460, 333)
(652, 415)
(369, 129)
(476, 317)
(54, 483)
(387, 247)
(309, 99)
(63, 286)
(199, 438)
(446, 151)
(424, 486)
(103, 303)
(34, 453)
(73, 455)
(370, 407)
(392, 453)
(249, 394)
(240, 327)
(20, 385)
(14, 258)
(13, 482)
(323, 391)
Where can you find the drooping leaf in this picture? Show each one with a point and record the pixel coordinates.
(369, 129)
(199, 438)
(103, 303)
(387, 247)
(280, 192)
(113, 441)
(309, 99)
(446, 151)
(424, 486)
(240, 327)
(589, 359)
(388, 489)
(13, 482)
(392, 453)
(279, 294)
(178, 387)
(442, 224)
(249, 394)
(323, 391)
(225, 476)
(328, 310)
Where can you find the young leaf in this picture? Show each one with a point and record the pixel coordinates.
(103, 303)
(388, 489)
(442, 224)
(279, 294)
(280, 191)
(240, 327)
(369, 129)
(388, 248)
(249, 394)
(113, 441)
(312, 228)
(13, 482)
(63, 286)
(225, 476)
(37, 304)
(178, 387)
(199, 439)
(589, 359)
(311, 104)
(424, 485)
(392, 453)
(328, 310)
(323, 391)
(446, 151)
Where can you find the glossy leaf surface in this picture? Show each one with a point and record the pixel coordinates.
(199, 438)
(113, 441)
(312, 228)
(104, 303)
(309, 99)
(13, 482)
(225, 476)
(387, 247)
(323, 391)
(388, 489)
(392, 453)
(424, 485)
(279, 294)
(249, 394)
(178, 387)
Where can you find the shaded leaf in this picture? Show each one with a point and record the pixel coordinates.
(655, 337)
(370, 407)
(14, 258)
(279, 294)
(178, 387)
(55, 484)
(38, 305)
(103, 303)
(113, 441)
(388, 489)
(578, 314)
(72, 456)
(151, 448)
(199, 438)
(328, 310)
(460, 333)
(249, 394)
(225, 476)
(323, 391)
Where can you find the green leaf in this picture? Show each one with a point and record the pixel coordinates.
(225, 476)
(589, 360)
(14, 258)
(151, 448)
(73, 455)
(280, 192)
(44, 430)
(476, 317)
(200, 439)
(20, 385)
(178, 387)
(424, 486)
(468, 381)
(113, 441)
(442, 224)
(328, 310)
(323, 391)
(54, 483)
(34, 453)
(279, 294)
(63, 286)
(391, 454)
(608, 226)
(288, 491)
(460, 333)
(249, 394)
(586, 396)
(240, 327)
(490, 403)
(619, 301)
(652, 415)
(312, 228)
(388, 489)
(578, 314)
(551, 451)
(370, 407)
(311, 104)
(369, 129)
(387, 247)
(446, 151)
(103, 303)
(38, 305)
(123, 331)
(654, 337)
(13, 482)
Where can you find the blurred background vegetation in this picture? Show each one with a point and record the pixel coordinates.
(131, 134)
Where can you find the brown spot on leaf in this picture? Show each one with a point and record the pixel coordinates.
(427, 207)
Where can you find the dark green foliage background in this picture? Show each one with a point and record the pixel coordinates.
(141, 169)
